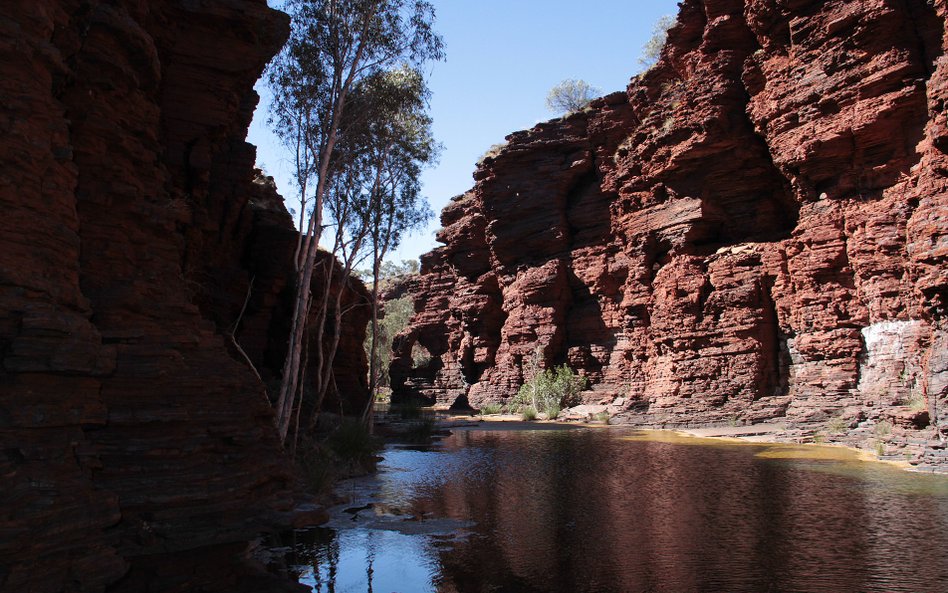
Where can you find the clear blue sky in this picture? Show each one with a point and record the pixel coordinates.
(502, 58)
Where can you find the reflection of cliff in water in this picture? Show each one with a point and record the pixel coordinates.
(607, 510)
(586, 512)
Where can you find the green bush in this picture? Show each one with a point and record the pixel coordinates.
(491, 408)
(420, 431)
(883, 428)
(351, 442)
(318, 469)
(349, 450)
(529, 413)
(837, 425)
(552, 413)
(551, 390)
(916, 401)
(408, 409)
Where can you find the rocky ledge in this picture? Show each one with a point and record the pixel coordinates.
(756, 230)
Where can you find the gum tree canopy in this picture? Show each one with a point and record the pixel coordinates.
(334, 47)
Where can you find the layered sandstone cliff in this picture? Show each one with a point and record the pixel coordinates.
(756, 229)
(131, 229)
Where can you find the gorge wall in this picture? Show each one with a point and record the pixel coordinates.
(132, 229)
(756, 229)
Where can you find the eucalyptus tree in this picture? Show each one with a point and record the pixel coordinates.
(333, 45)
(394, 142)
(570, 95)
(403, 145)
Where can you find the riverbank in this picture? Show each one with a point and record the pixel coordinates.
(804, 441)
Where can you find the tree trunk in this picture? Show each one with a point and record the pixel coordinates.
(367, 414)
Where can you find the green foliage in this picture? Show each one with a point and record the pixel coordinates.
(408, 409)
(916, 401)
(317, 468)
(397, 313)
(883, 428)
(405, 267)
(571, 95)
(491, 152)
(337, 52)
(603, 417)
(349, 103)
(386, 143)
(837, 425)
(529, 413)
(389, 270)
(491, 408)
(420, 356)
(652, 50)
(352, 443)
(421, 430)
(551, 390)
(348, 450)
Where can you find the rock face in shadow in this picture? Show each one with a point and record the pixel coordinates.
(754, 230)
(131, 229)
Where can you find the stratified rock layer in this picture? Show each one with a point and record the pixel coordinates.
(129, 423)
(756, 229)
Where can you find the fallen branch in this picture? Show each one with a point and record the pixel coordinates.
(233, 330)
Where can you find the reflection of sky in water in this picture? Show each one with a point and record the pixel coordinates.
(405, 472)
(375, 560)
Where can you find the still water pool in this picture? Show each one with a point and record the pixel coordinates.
(603, 510)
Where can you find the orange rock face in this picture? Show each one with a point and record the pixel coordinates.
(131, 227)
(755, 230)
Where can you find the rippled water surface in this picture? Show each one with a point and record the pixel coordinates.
(608, 510)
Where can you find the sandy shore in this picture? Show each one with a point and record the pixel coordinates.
(786, 444)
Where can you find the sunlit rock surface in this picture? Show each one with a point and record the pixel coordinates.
(756, 229)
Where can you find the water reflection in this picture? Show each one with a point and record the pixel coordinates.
(589, 511)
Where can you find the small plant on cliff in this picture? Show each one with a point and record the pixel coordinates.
(837, 425)
(571, 95)
(916, 400)
(491, 152)
(652, 50)
(882, 428)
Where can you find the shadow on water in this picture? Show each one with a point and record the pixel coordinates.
(606, 510)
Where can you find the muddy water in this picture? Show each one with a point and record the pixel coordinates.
(591, 510)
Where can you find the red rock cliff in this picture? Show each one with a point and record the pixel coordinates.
(756, 229)
(131, 228)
